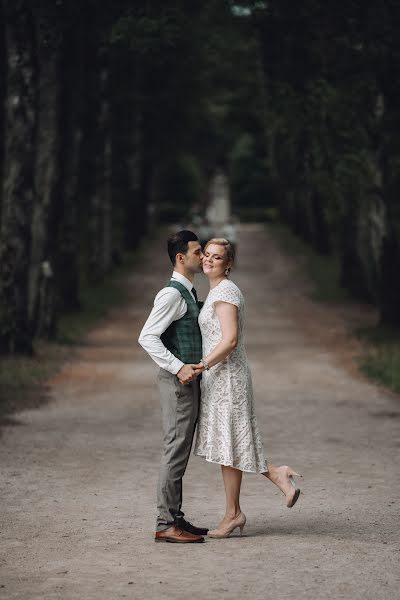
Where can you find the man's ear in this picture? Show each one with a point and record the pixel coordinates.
(179, 257)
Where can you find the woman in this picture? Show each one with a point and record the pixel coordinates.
(227, 431)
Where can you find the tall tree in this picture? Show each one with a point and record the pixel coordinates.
(65, 219)
(19, 181)
(2, 96)
(41, 307)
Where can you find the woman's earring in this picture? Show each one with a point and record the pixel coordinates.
(227, 271)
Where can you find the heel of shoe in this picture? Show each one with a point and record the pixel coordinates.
(296, 494)
(242, 524)
(292, 473)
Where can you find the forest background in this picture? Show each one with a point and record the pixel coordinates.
(114, 117)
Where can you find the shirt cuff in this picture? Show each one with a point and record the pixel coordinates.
(175, 366)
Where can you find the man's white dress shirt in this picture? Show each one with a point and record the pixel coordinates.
(168, 306)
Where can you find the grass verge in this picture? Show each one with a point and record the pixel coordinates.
(380, 360)
(23, 378)
(323, 271)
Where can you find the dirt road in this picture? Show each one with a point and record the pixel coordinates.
(78, 476)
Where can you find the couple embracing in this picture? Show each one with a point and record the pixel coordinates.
(187, 341)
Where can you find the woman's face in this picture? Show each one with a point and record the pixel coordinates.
(215, 261)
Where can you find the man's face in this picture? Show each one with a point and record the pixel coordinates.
(194, 257)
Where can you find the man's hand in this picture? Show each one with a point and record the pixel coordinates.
(187, 373)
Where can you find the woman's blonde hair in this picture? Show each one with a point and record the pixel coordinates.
(229, 249)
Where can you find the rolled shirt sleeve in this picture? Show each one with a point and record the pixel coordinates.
(169, 306)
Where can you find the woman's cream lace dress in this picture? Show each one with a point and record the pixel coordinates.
(227, 431)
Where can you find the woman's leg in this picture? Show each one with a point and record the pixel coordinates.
(233, 517)
(232, 482)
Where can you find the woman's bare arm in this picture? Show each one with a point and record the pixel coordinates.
(228, 317)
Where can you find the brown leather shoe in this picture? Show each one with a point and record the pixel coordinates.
(177, 536)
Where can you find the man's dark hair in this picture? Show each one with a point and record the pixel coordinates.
(178, 243)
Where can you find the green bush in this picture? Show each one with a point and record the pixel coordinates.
(381, 361)
(180, 187)
(250, 183)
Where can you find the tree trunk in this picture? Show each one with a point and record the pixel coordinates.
(147, 168)
(390, 281)
(18, 192)
(367, 219)
(41, 280)
(132, 229)
(352, 270)
(2, 97)
(321, 236)
(389, 289)
(99, 221)
(126, 135)
(72, 75)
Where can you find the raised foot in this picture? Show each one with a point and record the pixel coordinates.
(286, 483)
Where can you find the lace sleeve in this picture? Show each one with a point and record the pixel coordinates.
(228, 292)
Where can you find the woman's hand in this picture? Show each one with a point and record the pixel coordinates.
(199, 368)
(228, 317)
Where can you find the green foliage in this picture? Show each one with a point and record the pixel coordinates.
(332, 133)
(180, 186)
(250, 184)
(148, 36)
(299, 105)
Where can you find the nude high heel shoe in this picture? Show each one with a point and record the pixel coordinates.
(224, 532)
(288, 486)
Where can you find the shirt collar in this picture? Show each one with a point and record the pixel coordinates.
(183, 280)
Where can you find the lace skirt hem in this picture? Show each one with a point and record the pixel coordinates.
(261, 469)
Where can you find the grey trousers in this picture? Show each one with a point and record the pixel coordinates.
(179, 408)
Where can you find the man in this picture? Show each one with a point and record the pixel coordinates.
(171, 336)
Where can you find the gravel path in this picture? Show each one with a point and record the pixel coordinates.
(78, 476)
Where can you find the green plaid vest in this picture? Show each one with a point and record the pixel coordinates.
(183, 337)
